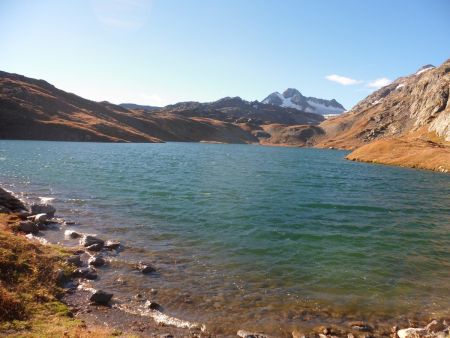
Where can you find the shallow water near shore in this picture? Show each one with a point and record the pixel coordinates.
(251, 237)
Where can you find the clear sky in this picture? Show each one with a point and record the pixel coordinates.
(164, 51)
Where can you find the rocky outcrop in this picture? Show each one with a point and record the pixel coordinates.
(411, 114)
(101, 297)
(10, 203)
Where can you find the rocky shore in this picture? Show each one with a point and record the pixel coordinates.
(143, 317)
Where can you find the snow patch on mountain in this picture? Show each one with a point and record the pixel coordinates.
(292, 98)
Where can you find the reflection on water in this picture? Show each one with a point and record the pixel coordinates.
(270, 238)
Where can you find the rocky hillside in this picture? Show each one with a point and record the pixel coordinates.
(404, 123)
(292, 98)
(36, 110)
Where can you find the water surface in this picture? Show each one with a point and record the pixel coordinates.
(252, 237)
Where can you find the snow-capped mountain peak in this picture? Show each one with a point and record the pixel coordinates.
(292, 98)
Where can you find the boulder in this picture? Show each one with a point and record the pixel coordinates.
(61, 278)
(101, 297)
(75, 260)
(145, 268)
(40, 218)
(43, 209)
(153, 306)
(111, 245)
(71, 234)
(412, 333)
(95, 247)
(9, 202)
(28, 227)
(88, 240)
(297, 334)
(96, 261)
(88, 273)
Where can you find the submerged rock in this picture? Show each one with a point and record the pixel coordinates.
(28, 227)
(361, 326)
(43, 209)
(153, 306)
(145, 268)
(72, 234)
(96, 261)
(101, 297)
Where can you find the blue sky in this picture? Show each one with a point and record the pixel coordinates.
(164, 51)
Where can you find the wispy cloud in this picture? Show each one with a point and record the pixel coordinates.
(343, 80)
(122, 14)
(378, 83)
(348, 81)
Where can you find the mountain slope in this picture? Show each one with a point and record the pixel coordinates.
(36, 110)
(292, 98)
(404, 123)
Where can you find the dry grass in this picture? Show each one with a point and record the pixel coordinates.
(29, 293)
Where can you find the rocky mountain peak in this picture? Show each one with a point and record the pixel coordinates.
(291, 92)
(292, 98)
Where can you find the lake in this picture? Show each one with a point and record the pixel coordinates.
(251, 237)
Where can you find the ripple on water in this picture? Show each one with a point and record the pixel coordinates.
(270, 238)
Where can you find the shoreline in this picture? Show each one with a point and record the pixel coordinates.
(151, 320)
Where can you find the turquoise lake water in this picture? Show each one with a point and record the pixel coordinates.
(248, 236)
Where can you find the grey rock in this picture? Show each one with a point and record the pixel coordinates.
(43, 209)
(75, 260)
(88, 240)
(96, 261)
(111, 245)
(72, 234)
(40, 218)
(95, 247)
(101, 297)
(88, 273)
(61, 278)
(153, 306)
(145, 268)
(28, 227)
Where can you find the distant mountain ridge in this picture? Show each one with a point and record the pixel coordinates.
(138, 106)
(292, 98)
